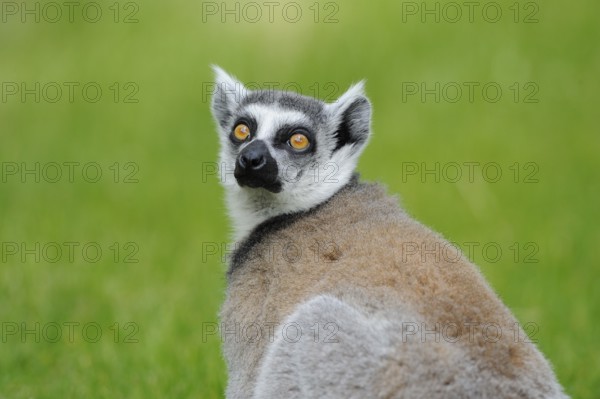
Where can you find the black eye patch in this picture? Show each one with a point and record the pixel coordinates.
(284, 133)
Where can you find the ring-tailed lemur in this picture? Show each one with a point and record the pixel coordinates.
(333, 290)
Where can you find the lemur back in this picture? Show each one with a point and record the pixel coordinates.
(333, 290)
(397, 326)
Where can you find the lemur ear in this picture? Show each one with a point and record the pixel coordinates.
(351, 115)
(229, 92)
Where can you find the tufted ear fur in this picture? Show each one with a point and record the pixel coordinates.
(229, 92)
(351, 116)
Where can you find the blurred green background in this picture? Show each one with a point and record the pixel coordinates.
(151, 135)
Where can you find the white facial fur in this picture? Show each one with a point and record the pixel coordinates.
(307, 180)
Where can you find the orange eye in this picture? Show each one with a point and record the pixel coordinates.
(241, 132)
(299, 141)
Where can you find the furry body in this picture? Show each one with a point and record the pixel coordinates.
(354, 270)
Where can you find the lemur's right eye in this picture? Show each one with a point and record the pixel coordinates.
(241, 132)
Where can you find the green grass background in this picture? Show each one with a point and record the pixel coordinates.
(172, 211)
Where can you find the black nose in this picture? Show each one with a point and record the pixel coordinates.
(255, 167)
(253, 158)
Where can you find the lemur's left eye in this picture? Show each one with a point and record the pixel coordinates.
(241, 132)
(299, 142)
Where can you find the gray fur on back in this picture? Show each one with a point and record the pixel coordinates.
(371, 296)
(367, 351)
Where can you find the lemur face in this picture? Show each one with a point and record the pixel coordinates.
(282, 152)
(275, 139)
(284, 143)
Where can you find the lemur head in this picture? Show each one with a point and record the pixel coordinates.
(282, 152)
